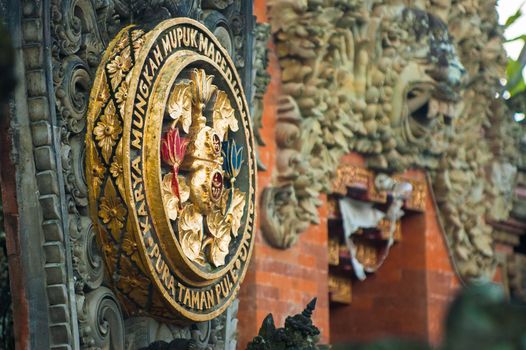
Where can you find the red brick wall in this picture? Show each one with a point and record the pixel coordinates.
(442, 281)
(282, 282)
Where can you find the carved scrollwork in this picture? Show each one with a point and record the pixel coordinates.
(88, 257)
(217, 4)
(102, 319)
(72, 92)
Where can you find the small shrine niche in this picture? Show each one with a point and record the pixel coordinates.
(366, 210)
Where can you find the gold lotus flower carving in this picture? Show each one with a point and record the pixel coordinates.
(107, 131)
(112, 211)
(202, 89)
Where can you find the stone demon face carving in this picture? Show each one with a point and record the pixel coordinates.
(426, 94)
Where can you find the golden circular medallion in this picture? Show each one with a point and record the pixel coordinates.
(171, 171)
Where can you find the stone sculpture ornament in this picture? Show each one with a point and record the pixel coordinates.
(172, 171)
(385, 79)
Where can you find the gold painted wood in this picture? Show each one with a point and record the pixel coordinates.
(172, 171)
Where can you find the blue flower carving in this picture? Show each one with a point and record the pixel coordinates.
(233, 159)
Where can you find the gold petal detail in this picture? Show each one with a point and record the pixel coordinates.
(235, 211)
(223, 116)
(121, 96)
(203, 88)
(219, 250)
(191, 232)
(119, 66)
(180, 106)
(116, 169)
(170, 200)
(216, 224)
(111, 211)
(107, 131)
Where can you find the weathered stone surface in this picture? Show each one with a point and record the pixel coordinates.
(406, 87)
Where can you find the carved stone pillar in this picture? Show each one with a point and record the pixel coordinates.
(77, 296)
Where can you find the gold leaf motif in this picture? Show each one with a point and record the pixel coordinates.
(138, 39)
(220, 231)
(180, 106)
(170, 200)
(97, 171)
(107, 131)
(216, 224)
(235, 210)
(116, 169)
(223, 116)
(128, 246)
(191, 232)
(219, 250)
(121, 96)
(111, 211)
(104, 93)
(119, 66)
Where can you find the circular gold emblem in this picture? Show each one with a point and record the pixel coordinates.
(171, 171)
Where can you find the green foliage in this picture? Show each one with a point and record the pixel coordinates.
(516, 86)
(513, 18)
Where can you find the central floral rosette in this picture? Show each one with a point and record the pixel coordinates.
(200, 166)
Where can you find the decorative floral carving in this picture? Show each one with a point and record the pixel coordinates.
(224, 118)
(121, 95)
(107, 131)
(112, 211)
(191, 232)
(220, 238)
(116, 168)
(202, 89)
(118, 67)
(171, 201)
(180, 106)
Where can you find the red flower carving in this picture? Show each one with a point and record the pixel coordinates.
(173, 149)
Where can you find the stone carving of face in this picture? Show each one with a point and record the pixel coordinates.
(426, 95)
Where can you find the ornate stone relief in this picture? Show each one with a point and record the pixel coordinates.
(172, 180)
(62, 42)
(261, 81)
(386, 80)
